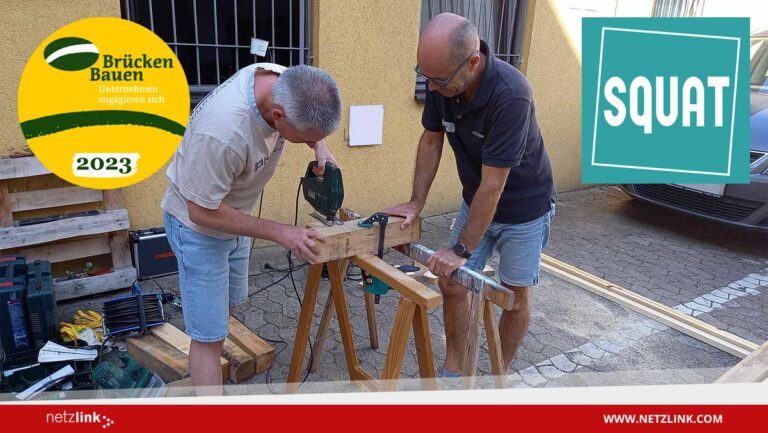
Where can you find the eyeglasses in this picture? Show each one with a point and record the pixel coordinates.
(443, 83)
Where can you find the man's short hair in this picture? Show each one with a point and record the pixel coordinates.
(309, 97)
(464, 41)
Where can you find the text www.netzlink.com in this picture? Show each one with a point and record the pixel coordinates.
(663, 418)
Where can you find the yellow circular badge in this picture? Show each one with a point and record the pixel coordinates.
(103, 103)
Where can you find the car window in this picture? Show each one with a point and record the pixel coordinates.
(758, 75)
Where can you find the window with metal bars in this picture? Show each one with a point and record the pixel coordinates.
(212, 38)
(678, 8)
(499, 22)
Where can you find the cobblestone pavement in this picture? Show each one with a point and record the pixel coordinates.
(717, 273)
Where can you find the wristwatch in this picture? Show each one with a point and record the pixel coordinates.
(461, 250)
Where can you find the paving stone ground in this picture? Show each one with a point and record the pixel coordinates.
(715, 272)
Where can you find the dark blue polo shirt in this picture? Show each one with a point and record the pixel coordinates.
(498, 128)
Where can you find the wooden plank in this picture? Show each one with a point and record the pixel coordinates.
(752, 369)
(717, 339)
(53, 197)
(117, 279)
(342, 316)
(349, 239)
(6, 212)
(494, 345)
(655, 310)
(405, 285)
(165, 361)
(261, 351)
(113, 199)
(180, 341)
(423, 342)
(241, 365)
(118, 246)
(62, 252)
(469, 369)
(304, 327)
(15, 237)
(401, 330)
(322, 332)
(370, 314)
(14, 168)
(465, 277)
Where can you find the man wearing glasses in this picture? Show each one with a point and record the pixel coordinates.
(485, 106)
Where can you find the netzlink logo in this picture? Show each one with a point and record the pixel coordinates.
(79, 417)
(665, 100)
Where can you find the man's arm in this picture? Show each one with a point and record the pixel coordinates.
(481, 212)
(427, 161)
(300, 241)
(484, 205)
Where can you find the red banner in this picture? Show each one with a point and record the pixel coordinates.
(374, 418)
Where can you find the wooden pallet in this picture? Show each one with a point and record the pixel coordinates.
(63, 240)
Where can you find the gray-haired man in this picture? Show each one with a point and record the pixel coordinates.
(229, 152)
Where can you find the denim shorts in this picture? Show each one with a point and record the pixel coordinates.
(213, 276)
(519, 247)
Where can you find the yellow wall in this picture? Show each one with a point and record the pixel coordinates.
(553, 67)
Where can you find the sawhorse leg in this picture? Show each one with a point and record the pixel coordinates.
(483, 310)
(423, 342)
(304, 327)
(401, 330)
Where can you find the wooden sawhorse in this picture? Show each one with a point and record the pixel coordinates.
(415, 300)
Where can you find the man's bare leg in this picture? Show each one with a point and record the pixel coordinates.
(205, 367)
(456, 304)
(513, 325)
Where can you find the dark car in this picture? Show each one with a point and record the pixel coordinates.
(744, 205)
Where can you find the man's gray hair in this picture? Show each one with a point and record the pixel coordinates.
(309, 97)
(464, 40)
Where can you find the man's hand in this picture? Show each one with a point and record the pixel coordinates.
(444, 262)
(300, 241)
(410, 211)
(322, 155)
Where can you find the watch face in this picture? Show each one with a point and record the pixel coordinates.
(460, 249)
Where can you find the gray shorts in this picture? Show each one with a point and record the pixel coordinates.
(519, 247)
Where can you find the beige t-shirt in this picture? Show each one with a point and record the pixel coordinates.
(227, 155)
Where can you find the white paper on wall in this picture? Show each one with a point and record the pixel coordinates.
(366, 125)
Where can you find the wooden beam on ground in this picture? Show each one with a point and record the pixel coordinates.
(165, 361)
(405, 285)
(176, 338)
(16, 237)
(348, 239)
(753, 368)
(117, 279)
(688, 325)
(262, 352)
(241, 365)
(473, 281)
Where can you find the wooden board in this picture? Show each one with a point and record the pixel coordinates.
(752, 369)
(405, 285)
(118, 279)
(15, 237)
(688, 325)
(465, 277)
(261, 351)
(62, 252)
(165, 361)
(241, 365)
(349, 239)
(179, 340)
(14, 168)
(6, 213)
(54, 197)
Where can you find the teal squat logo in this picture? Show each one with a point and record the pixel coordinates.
(71, 54)
(665, 100)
